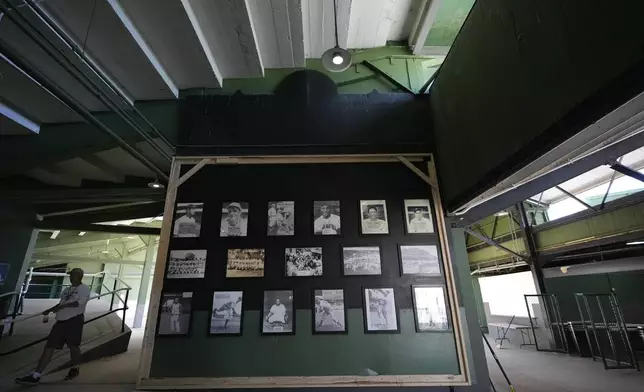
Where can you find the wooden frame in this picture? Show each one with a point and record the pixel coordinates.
(346, 316)
(144, 381)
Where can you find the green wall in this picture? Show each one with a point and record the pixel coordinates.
(304, 354)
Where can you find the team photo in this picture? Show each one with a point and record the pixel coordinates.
(430, 309)
(303, 261)
(326, 218)
(245, 263)
(380, 309)
(281, 218)
(361, 260)
(234, 219)
(374, 217)
(187, 220)
(187, 264)
(174, 317)
(226, 315)
(329, 311)
(420, 260)
(278, 315)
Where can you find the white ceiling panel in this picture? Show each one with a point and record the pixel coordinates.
(227, 34)
(403, 17)
(21, 92)
(319, 25)
(167, 30)
(125, 163)
(370, 23)
(96, 27)
(279, 29)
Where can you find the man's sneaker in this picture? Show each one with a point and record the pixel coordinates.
(28, 380)
(72, 374)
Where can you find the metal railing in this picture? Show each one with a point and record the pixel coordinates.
(6, 318)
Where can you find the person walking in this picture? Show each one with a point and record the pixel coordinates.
(68, 329)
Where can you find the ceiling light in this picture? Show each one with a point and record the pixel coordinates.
(82, 233)
(635, 243)
(156, 184)
(336, 59)
(54, 234)
(105, 251)
(502, 213)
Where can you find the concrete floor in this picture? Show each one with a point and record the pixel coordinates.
(532, 371)
(529, 371)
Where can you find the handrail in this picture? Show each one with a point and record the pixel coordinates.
(8, 294)
(16, 321)
(62, 274)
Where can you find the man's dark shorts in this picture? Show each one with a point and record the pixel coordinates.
(68, 332)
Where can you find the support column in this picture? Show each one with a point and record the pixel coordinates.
(17, 243)
(530, 245)
(146, 277)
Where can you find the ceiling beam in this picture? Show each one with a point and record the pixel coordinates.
(426, 19)
(38, 261)
(19, 118)
(50, 176)
(98, 228)
(110, 171)
(226, 32)
(140, 41)
(279, 30)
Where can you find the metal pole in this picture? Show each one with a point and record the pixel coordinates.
(72, 103)
(113, 292)
(608, 330)
(578, 200)
(127, 294)
(498, 363)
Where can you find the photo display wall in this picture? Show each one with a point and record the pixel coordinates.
(296, 251)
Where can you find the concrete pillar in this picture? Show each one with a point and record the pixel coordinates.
(146, 276)
(17, 243)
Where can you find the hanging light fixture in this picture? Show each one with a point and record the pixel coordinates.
(336, 59)
(156, 184)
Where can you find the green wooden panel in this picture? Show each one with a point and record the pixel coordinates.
(565, 287)
(449, 20)
(304, 354)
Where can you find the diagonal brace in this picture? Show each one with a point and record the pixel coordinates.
(418, 172)
(495, 244)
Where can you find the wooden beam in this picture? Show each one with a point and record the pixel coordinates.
(425, 21)
(192, 171)
(418, 172)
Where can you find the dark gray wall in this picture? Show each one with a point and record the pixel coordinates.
(17, 237)
(524, 76)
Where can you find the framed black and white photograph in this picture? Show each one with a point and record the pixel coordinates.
(361, 260)
(245, 263)
(418, 216)
(326, 218)
(381, 313)
(303, 261)
(330, 311)
(374, 217)
(281, 218)
(187, 220)
(226, 317)
(278, 316)
(430, 310)
(175, 314)
(187, 264)
(234, 219)
(419, 260)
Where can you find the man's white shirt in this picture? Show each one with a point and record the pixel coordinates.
(327, 226)
(279, 313)
(71, 294)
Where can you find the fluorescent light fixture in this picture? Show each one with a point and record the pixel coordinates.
(501, 213)
(82, 233)
(156, 184)
(635, 243)
(105, 251)
(54, 234)
(19, 118)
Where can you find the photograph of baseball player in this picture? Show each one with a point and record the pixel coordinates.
(419, 260)
(174, 318)
(226, 317)
(329, 310)
(281, 218)
(418, 216)
(303, 261)
(361, 260)
(380, 310)
(278, 316)
(187, 220)
(429, 308)
(245, 263)
(187, 264)
(374, 217)
(234, 219)
(326, 217)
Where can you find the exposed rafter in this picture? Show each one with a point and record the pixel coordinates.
(426, 19)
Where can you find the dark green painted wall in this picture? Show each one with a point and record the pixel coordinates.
(15, 241)
(629, 287)
(304, 354)
(506, 92)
